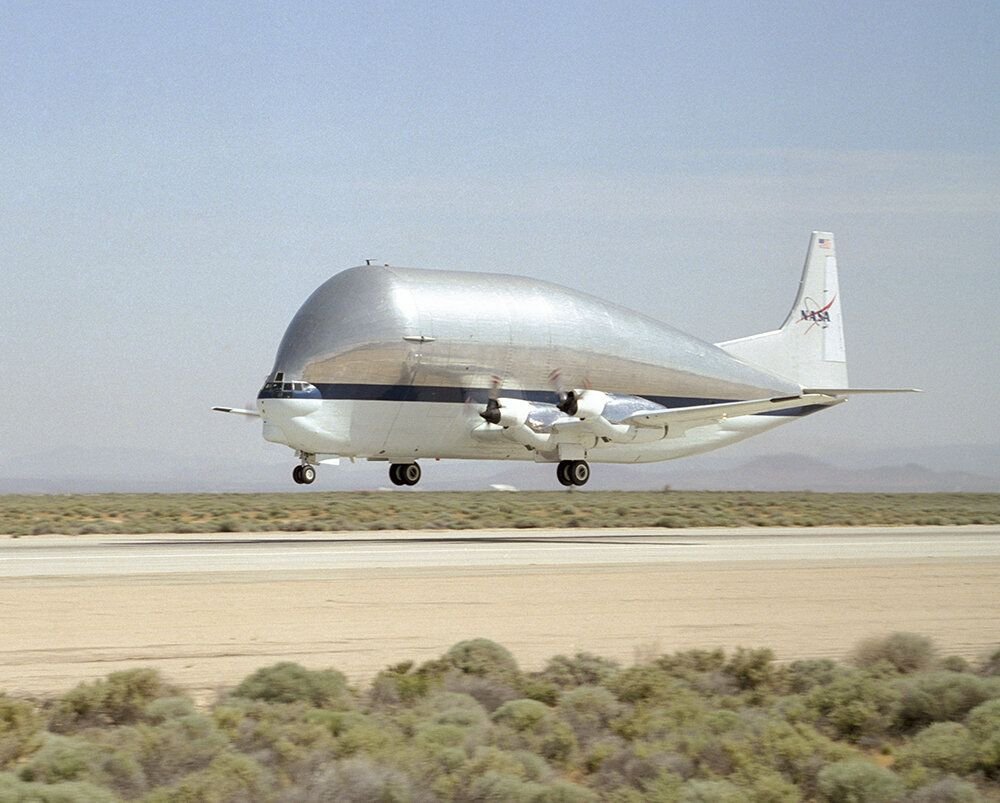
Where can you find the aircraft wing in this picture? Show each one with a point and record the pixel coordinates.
(856, 391)
(237, 411)
(712, 413)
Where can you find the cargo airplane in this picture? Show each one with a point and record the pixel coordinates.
(398, 364)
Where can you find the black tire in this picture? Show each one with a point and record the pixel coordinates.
(308, 474)
(579, 472)
(409, 473)
(562, 473)
(396, 475)
(297, 474)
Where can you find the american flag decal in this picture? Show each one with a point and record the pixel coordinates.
(825, 243)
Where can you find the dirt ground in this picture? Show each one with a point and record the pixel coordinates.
(208, 631)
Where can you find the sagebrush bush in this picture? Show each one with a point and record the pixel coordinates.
(288, 682)
(20, 729)
(118, 700)
(905, 652)
(857, 781)
(941, 697)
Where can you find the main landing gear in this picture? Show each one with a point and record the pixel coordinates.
(573, 472)
(304, 474)
(404, 473)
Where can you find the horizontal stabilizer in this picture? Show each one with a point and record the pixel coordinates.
(237, 411)
(859, 391)
(703, 414)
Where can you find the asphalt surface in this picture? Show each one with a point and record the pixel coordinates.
(70, 556)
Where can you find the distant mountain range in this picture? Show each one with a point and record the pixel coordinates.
(97, 471)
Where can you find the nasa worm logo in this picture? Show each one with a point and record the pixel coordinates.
(816, 315)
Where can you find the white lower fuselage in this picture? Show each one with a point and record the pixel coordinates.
(402, 432)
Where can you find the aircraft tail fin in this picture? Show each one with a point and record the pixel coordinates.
(809, 346)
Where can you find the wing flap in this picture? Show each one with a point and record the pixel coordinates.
(713, 413)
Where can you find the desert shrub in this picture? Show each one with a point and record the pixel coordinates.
(941, 697)
(230, 778)
(946, 790)
(20, 729)
(984, 725)
(857, 781)
(954, 663)
(688, 663)
(856, 705)
(489, 692)
(62, 758)
(168, 708)
(698, 791)
(288, 682)
(533, 726)
(165, 752)
(800, 677)
(583, 669)
(402, 683)
(905, 652)
(944, 747)
(13, 789)
(285, 738)
(750, 668)
(117, 700)
(990, 665)
(353, 780)
(589, 711)
(483, 658)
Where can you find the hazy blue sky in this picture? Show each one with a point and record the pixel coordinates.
(176, 178)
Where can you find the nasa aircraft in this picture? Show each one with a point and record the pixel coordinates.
(398, 364)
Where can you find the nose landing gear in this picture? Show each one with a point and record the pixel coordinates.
(573, 472)
(404, 473)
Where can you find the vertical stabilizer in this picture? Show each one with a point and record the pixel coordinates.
(809, 346)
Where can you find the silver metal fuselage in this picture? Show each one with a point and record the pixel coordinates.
(401, 362)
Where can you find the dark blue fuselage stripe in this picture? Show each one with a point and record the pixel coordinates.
(456, 395)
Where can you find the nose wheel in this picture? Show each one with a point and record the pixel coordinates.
(573, 472)
(304, 474)
(404, 473)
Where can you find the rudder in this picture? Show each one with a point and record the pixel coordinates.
(809, 346)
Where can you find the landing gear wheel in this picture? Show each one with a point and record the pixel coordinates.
(307, 474)
(409, 473)
(562, 472)
(297, 474)
(579, 472)
(394, 474)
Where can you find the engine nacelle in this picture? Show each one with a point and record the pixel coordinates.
(507, 412)
(589, 403)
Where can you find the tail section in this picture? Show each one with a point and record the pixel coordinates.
(809, 346)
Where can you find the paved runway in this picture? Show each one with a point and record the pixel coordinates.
(208, 610)
(126, 555)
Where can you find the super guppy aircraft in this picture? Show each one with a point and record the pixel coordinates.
(398, 364)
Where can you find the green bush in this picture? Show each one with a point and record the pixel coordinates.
(697, 791)
(583, 669)
(118, 700)
(947, 790)
(589, 711)
(944, 747)
(483, 658)
(904, 652)
(20, 729)
(63, 758)
(230, 778)
(984, 725)
(856, 781)
(856, 705)
(941, 697)
(750, 669)
(288, 682)
(14, 790)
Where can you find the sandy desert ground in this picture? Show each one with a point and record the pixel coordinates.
(208, 629)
